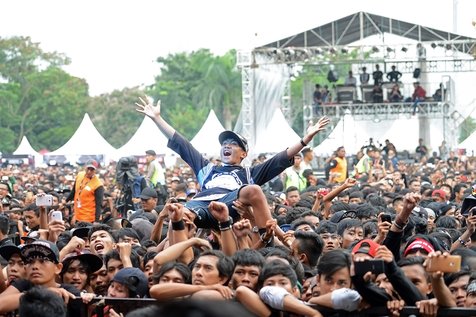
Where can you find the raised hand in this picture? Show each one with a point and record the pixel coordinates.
(245, 211)
(319, 126)
(350, 182)
(410, 200)
(219, 211)
(148, 108)
(242, 228)
(174, 210)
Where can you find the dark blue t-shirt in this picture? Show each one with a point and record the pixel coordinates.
(216, 181)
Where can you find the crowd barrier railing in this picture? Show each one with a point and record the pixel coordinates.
(126, 305)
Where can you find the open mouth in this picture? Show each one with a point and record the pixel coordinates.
(226, 152)
(99, 247)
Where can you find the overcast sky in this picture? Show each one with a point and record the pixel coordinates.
(114, 43)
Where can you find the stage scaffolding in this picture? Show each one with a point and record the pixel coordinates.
(313, 47)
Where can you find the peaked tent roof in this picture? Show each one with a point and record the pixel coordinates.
(25, 148)
(361, 25)
(85, 141)
(206, 140)
(277, 136)
(147, 137)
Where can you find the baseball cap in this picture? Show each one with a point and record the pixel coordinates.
(343, 214)
(148, 193)
(150, 152)
(439, 193)
(225, 135)
(8, 250)
(419, 244)
(92, 164)
(125, 223)
(134, 279)
(94, 262)
(366, 246)
(81, 232)
(40, 248)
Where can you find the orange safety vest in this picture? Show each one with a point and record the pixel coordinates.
(340, 168)
(84, 200)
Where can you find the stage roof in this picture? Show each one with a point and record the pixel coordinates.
(361, 25)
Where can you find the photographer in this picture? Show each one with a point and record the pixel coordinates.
(131, 183)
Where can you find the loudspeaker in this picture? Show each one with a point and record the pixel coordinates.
(416, 73)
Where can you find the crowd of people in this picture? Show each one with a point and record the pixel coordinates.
(267, 238)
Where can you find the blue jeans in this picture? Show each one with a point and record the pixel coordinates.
(204, 218)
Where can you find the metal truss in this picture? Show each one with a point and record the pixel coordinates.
(244, 61)
(286, 102)
(361, 25)
(380, 111)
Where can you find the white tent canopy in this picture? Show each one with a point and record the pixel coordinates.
(147, 137)
(85, 141)
(206, 140)
(25, 148)
(277, 136)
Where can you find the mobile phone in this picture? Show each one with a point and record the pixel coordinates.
(374, 266)
(44, 200)
(57, 215)
(448, 264)
(386, 218)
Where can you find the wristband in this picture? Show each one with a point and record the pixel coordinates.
(302, 142)
(462, 241)
(266, 242)
(399, 226)
(178, 225)
(226, 225)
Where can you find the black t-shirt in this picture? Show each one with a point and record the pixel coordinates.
(74, 307)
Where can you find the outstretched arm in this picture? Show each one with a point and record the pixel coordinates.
(153, 112)
(311, 132)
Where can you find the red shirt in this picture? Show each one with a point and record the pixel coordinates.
(419, 93)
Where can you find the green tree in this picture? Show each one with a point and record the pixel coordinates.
(38, 98)
(221, 88)
(114, 115)
(190, 84)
